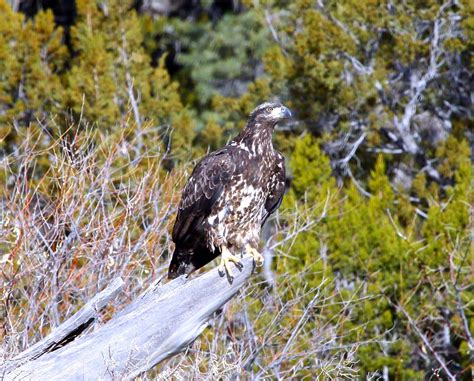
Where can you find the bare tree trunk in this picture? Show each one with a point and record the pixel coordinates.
(158, 324)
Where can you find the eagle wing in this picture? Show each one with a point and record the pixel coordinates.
(204, 187)
(275, 196)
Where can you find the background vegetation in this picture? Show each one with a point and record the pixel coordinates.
(106, 105)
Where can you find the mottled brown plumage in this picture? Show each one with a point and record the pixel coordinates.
(230, 195)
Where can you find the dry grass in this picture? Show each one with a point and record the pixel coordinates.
(67, 232)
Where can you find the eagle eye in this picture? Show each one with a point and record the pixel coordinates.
(269, 109)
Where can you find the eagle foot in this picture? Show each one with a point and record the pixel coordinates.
(227, 258)
(257, 257)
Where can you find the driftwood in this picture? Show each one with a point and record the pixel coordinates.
(163, 321)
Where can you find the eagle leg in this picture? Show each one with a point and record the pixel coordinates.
(228, 257)
(257, 257)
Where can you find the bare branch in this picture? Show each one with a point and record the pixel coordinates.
(425, 340)
(419, 84)
(455, 274)
(269, 21)
(353, 150)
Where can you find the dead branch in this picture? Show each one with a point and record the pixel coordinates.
(420, 84)
(70, 329)
(426, 342)
(160, 323)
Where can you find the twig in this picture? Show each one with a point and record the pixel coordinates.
(427, 343)
(268, 20)
(298, 327)
(353, 150)
(397, 229)
(459, 304)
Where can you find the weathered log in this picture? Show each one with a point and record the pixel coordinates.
(160, 323)
(68, 330)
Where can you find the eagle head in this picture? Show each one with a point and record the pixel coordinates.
(269, 113)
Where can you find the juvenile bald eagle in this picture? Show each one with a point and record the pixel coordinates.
(229, 196)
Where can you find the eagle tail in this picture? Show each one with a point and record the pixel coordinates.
(180, 262)
(185, 261)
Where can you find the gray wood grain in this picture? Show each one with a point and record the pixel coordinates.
(68, 330)
(160, 323)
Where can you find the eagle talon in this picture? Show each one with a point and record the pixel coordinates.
(257, 257)
(227, 258)
(225, 271)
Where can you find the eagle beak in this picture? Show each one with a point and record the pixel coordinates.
(286, 112)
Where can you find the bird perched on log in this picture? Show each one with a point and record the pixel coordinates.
(229, 196)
